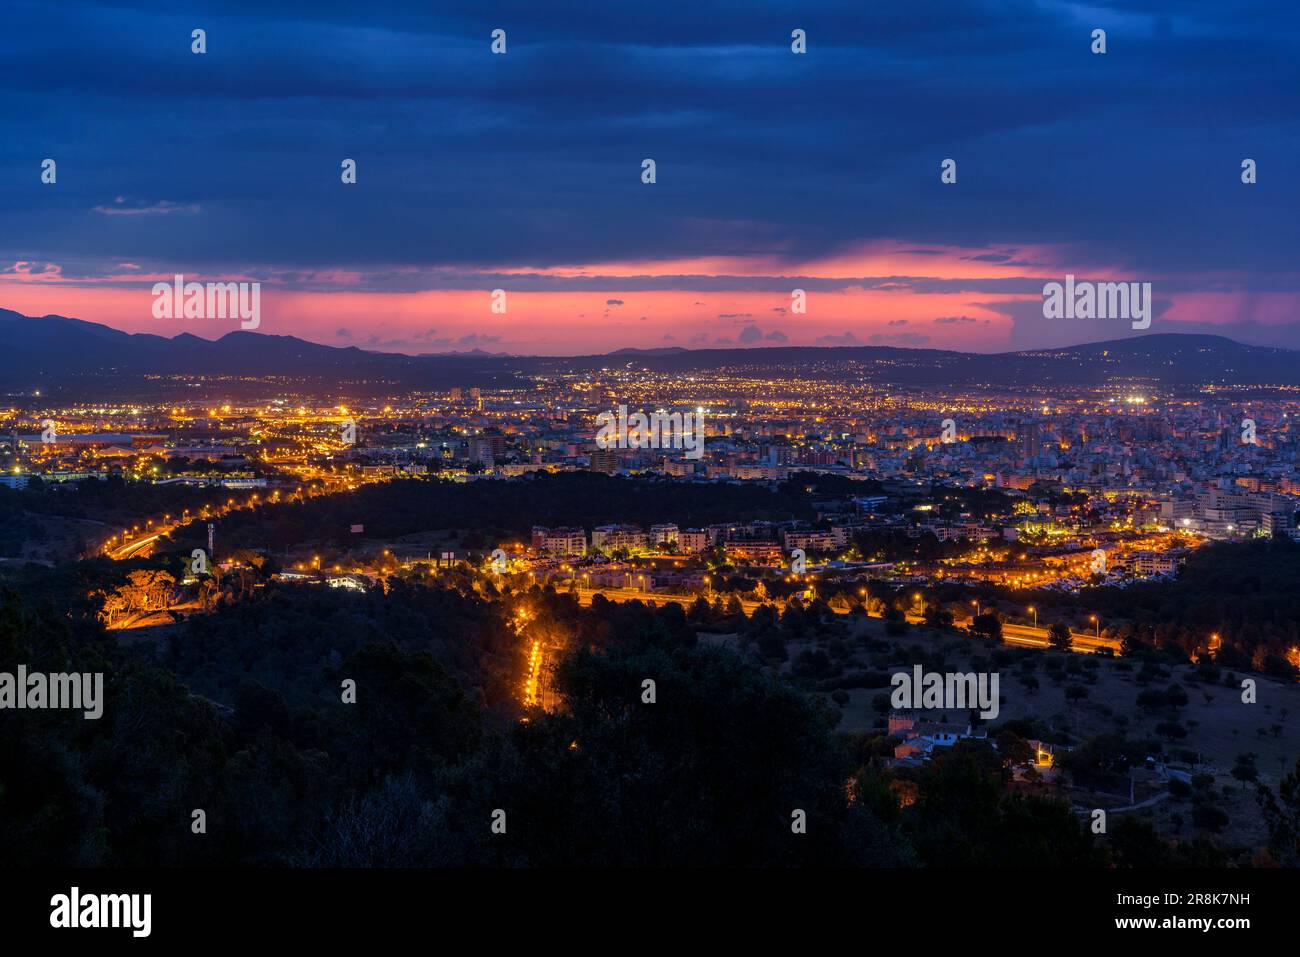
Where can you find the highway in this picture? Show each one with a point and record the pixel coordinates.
(212, 513)
(138, 546)
(1024, 635)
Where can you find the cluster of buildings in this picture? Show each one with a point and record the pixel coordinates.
(1233, 508)
(759, 541)
(917, 739)
(1136, 475)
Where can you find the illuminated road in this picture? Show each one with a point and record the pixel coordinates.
(137, 546)
(531, 684)
(652, 598)
(140, 545)
(1037, 638)
(1025, 635)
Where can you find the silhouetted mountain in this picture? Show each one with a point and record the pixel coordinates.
(1171, 360)
(665, 351)
(53, 351)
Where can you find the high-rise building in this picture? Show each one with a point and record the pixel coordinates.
(664, 533)
(1027, 440)
(488, 448)
(1279, 521)
(560, 541)
(603, 460)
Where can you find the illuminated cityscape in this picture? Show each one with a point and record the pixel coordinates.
(553, 462)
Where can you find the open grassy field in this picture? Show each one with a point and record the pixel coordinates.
(1220, 726)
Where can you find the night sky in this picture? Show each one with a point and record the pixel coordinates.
(775, 170)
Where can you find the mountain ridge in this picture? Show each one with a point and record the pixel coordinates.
(57, 348)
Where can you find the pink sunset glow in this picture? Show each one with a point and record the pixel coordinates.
(879, 294)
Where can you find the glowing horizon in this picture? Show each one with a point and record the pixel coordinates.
(890, 294)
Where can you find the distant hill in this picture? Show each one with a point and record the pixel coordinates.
(665, 351)
(53, 351)
(1166, 359)
(56, 349)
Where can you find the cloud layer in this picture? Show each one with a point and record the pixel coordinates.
(775, 171)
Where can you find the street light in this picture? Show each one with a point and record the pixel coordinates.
(1035, 613)
(1093, 619)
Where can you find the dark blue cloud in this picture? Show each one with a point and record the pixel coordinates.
(1131, 160)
